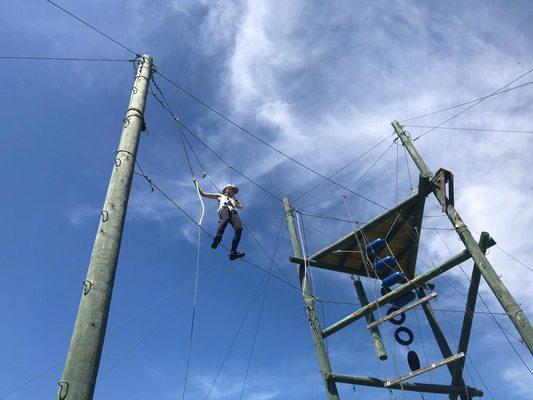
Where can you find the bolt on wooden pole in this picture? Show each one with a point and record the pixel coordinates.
(83, 358)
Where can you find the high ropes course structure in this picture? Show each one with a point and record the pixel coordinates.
(382, 254)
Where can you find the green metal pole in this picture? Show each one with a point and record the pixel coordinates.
(310, 308)
(83, 358)
(464, 338)
(509, 304)
(374, 331)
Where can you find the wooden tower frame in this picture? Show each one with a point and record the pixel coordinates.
(400, 228)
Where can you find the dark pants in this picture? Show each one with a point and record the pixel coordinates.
(226, 216)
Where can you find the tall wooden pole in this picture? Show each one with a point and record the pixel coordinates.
(310, 308)
(509, 304)
(83, 358)
(468, 318)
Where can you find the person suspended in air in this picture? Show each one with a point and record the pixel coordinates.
(227, 213)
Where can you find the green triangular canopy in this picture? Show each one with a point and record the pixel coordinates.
(400, 227)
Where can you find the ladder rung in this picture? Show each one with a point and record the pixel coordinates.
(402, 310)
(425, 369)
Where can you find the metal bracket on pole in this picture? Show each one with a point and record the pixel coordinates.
(444, 179)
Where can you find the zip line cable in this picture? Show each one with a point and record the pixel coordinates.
(28, 58)
(235, 336)
(432, 228)
(278, 198)
(276, 246)
(265, 251)
(92, 27)
(27, 382)
(113, 329)
(250, 133)
(167, 108)
(372, 165)
(344, 167)
(190, 218)
(155, 329)
(467, 129)
(196, 280)
(493, 318)
(508, 254)
(472, 105)
(265, 278)
(468, 102)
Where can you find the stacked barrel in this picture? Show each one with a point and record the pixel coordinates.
(384, 268)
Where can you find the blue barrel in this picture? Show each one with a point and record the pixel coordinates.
(393, 279)
(375, 246)
(405, 299)
(384, 264)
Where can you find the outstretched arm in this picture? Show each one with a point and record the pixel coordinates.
(205, 194)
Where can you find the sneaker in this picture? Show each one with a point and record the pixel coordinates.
(235, 254)
(216, 241)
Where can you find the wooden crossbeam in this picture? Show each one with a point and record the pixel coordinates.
(403, 309)
(406, 386)
(425, 369)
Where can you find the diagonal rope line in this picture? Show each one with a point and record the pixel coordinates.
(193, 316)
(30, 58)
(250, 133)
(467, 129)
(372, 165)
(190, 218)
(468, 102)
(92, 27)
(344, 167)
(27, 382)
(472, 105)
(235, 336)
(276, 247)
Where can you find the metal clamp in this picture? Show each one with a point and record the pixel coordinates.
(105, 216)
(135, 112)
(87, 286)
(441, 179)
(123, 151)
(63, 390)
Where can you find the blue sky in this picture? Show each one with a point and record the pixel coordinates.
(321, 82)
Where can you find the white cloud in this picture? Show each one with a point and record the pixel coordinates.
(81, 213)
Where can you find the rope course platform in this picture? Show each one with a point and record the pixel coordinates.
(399, 227)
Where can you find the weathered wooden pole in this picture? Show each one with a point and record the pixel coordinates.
(374, 331)
(468, 318)
(83, 358)
(310, 309)
(509, 304)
